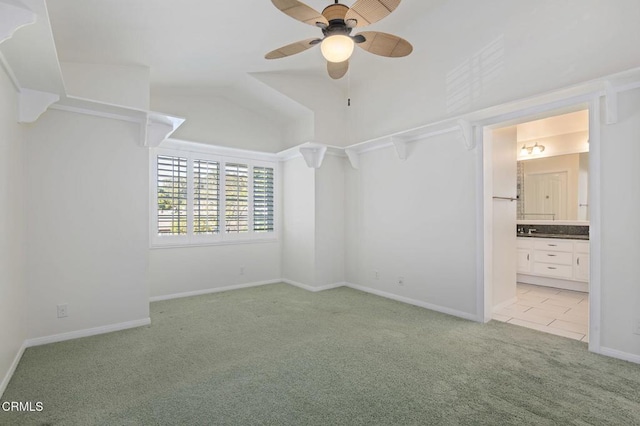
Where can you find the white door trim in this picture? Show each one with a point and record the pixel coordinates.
(595, 225)
(484, 199)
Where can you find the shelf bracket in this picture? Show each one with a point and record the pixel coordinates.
(401, 148)
(13, 16)
(611, 103)
(157, 128)
(313, 155)
(354, 158)
(467, 134)
(33, 103)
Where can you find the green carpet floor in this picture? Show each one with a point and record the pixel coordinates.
(278, 355)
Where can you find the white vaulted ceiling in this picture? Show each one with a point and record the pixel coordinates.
(216, 49)
(194, 43)
(467, 56)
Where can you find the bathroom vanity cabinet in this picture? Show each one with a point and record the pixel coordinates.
(554, 262)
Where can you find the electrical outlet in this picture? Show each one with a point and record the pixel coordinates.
(400, 281)
(242, 270)
(636, 326)
(63, 310)
(376, 275)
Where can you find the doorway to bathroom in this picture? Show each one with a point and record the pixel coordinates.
(536, 221)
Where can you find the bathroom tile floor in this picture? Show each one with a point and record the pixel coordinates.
(552, 310)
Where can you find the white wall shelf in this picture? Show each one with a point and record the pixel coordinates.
(13, 16)
(33, 103)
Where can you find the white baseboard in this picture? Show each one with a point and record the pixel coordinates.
(505, 304)
(86, 332)
(553, 282)
(12, 369)
(212, 290)
(415, 302)
(312, 288)
(614, 353)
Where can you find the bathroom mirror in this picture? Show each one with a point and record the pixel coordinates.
(554, 188)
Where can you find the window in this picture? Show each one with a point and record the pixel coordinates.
(172, 195)
(206, 197)
(237, 198)
(263, 199)
(199, 199)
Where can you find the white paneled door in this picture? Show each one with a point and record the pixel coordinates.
(547, 196)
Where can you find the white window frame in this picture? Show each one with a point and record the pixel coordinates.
(193, 152)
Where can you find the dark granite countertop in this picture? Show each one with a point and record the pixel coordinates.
(569, 232)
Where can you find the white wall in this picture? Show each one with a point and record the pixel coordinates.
(352, 213)
(313, 249)
(299, 131)
(219, 121)
(114, 84)
(416, 219)
(87, 215)
(470, 55)
(327, 101)
(13, 303)
(330, 220)
(299, 219)
(191, 269)
(620, 204)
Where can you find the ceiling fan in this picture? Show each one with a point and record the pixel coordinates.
(336, 22)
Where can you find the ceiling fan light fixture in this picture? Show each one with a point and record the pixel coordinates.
(337, 48)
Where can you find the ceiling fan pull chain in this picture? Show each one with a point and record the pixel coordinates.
(349, 88)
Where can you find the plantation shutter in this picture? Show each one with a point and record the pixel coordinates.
(206, 197)
(263, 199)
(171, 187)
(236, 198)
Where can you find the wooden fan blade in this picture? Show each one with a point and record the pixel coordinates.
(366, 12)
(300, 11)
(384, 44)
(337, 70)
(292, 49)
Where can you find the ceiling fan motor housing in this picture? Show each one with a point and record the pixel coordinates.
(335, 14)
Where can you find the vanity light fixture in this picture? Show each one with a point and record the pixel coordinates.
(537, 149)
(528, 150)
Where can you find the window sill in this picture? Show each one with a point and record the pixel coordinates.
(215, 243)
